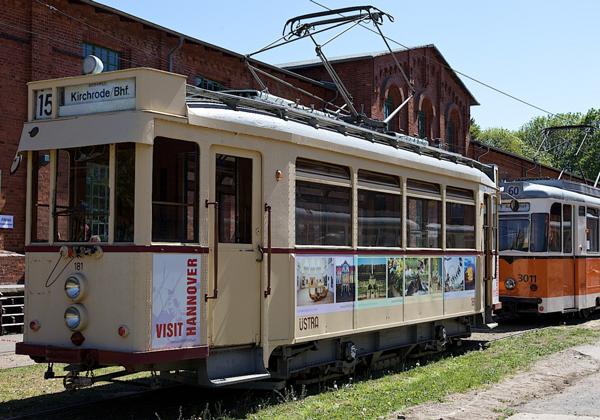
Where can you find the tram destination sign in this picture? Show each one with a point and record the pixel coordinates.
(113, 95)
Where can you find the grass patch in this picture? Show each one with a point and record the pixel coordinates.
(23, 390)
(396, 392)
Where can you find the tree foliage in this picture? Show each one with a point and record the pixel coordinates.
(559, 148)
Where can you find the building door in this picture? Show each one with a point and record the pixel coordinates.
(235, 312)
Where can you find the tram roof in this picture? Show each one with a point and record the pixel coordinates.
(554, 189)
(264, 125)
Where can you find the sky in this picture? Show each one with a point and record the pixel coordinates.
(543, 52)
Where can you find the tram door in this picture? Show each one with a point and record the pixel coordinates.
(569, 265)
(235, 195)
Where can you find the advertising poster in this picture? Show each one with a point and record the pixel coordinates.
(176, 298)
(372, 278)
(436, 278)
(459, 276)
(395, 277)
(345, 287)
(416, 276)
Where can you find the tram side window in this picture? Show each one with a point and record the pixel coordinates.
(234, 195)
(424, 215)
(555, 228)
(323, 204)
(175, 175)
(592, 230)
(460, 219)
(40, 200)
(379, 210)
(124, 191)
(567, 228)
(82, 194)
(514, 235)
(539, 232)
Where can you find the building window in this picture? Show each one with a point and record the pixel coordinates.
(110, 58)
(388, 108)
(175, 191)
(421, 124)
(204, 83)
(234, 195)
(323, 204)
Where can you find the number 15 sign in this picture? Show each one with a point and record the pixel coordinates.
(43, 104)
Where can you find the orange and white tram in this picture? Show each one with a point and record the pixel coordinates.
(231, 239)
(549, 248)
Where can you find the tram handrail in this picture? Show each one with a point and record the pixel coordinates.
(268, 210)
(215, 251)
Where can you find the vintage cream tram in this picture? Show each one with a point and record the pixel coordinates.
(549, 247)
(222, 238)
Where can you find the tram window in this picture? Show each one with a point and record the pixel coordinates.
(592, 230)
(40, 200)
(539, 232)
(174, 191)
(460, 226)
(124, 191)
(423, 224)
(315, 169)
(234, 194)
(555, 228)
(514, 235)
(82, 194)
(422, 187)
(567, 229)
(323, 214)
(459, 193)
(379, 219)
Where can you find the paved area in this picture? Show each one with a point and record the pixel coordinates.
(8, 358)
(563, 386)
(578, 401)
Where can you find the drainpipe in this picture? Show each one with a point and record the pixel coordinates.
(173, 51)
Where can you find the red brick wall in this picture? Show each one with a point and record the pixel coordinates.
(12, 269)
(37, 43)
(512, 167)
(371, 79)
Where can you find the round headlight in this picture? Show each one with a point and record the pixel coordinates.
(510, 283)
(76, 317)
(75, 287)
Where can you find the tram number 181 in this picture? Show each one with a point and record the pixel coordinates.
(528, 278)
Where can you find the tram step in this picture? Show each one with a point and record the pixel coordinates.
(570, 310)
(239, 379)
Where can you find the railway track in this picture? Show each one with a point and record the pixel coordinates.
(184, 401)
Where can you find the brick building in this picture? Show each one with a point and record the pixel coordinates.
(48, 39)
(439, 109)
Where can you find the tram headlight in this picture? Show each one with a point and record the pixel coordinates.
(510, 283)
(75, 287)
(76, 317)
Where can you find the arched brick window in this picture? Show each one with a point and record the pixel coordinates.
(425, 117)
(454, 135)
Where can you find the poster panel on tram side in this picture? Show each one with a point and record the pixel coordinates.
(176, 298)
(336, 294)
(460, 279)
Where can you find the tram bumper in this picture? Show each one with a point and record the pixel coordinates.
(97, 357)
(519, 305)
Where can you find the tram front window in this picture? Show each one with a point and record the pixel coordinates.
(514, 235)
(82, 194)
